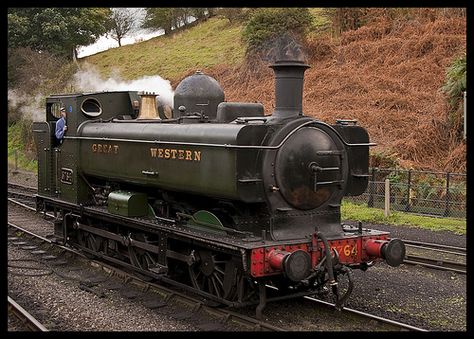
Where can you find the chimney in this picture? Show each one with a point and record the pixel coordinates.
(289, 75)
(148, 108)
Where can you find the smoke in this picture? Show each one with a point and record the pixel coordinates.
(285, 47)
(88, 79)
(28, 107)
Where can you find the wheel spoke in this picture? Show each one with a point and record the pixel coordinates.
(133, 257)
(221, 283)
(209, 274)
(197, 275)
(150, 262)
(215, 287)
(219, 270)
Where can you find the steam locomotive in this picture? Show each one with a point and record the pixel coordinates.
(211, 196)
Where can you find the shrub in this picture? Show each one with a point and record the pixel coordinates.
(454, 87)
(383, 159)
(235, 14)
(33, 72)
(268, 23)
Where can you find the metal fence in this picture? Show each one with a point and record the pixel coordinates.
(438, 194)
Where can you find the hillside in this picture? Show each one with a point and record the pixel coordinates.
(384, 75)
(210, 43)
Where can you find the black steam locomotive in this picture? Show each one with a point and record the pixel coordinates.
(212, 196)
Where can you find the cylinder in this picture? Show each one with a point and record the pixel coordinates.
(289, 76)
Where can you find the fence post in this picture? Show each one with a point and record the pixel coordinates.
(370, 202)
(448, 196)
(387, 197)
(408, 207)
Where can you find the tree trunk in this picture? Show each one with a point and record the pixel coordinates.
(74, 55)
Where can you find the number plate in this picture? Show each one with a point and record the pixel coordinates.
(66, 176)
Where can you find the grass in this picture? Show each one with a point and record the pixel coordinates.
(351, 211)
(210, 43)
(16, 143)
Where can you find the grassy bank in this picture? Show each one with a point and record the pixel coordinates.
(351, 211)
(210, 43)
(17, 134)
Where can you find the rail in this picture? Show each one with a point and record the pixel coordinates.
(196, 304)
(25, 317)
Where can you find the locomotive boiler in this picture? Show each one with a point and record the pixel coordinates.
(212, 196)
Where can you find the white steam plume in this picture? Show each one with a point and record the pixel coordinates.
(89, 80)
(28, 106)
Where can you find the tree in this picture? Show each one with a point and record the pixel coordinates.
(56, 30)
(123, 21)
(199, 13)
(233, 14)
(173, 18)
(157, 18)
(347, 18)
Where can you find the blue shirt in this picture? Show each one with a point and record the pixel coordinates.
(60, 128)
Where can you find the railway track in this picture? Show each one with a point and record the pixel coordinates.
(439, 264)
(365, 315)
(16, 186)
(225, 315)
(24, 317)
(436, 256)
(455, 262)
(195, 305)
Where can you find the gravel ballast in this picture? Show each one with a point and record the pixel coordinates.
(423, 297)
(61, 305)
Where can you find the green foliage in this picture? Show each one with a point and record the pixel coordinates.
(322, 23)
(454, 87)
(455, 83)
(236, 14)
(20, 144)
(32, 72)
(346, 18)
(56, 30)
(171, 18)
(425, 190)
(268, 23)
(383, 159)
(199, 12)
(351, 211)
(162, 17)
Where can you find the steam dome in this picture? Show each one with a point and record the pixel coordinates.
(198, 93)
